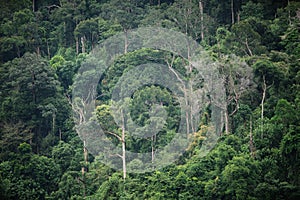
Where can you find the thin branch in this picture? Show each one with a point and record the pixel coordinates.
(248, 48)
(114, 134)
(52, 6)
(116, 155)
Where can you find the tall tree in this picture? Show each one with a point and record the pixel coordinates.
(237, 76)
(127, 13)
(34, 96)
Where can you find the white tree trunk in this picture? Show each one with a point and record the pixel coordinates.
(33, 5)
(232, 11)
(77, 45)
(226, 122)
(251, 144)
(202, 19)
(153, 147)
(126, 44)
(290, 21)
(82, 39)
(123, 146)
(262, 104)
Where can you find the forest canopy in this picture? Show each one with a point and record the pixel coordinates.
(252, 48)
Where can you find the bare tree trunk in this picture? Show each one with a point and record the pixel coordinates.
(82, 39)
(126, 42)
(187, 15)
(38, 52)
(65, 30)
(18, 51)
(122, 140)
(48, 49)
(262, 104)
(248, 48)
(251, 145)
(85, 151)
(187, 116)
(83, 168)
(238, 17)
(290, 21)
(33, 87)
(123, 156)
(123, 146)
(53, 121)
(232, 11)
(85, 156)
(33, 5)
(153, 147)
(202, 19)
(186, 113)
(77, 45)
(191, 109)
(60, 135)
(226, 122)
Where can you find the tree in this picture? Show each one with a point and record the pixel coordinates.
(66, 17)
(267, 74)
(62, 155)
(42, 156)
(249, 40)
(239, 178)
(20, 34)
(33, 97)
(251, 9)
(290, 151)
(86, 30)
(189, 17)
(102, 114)
(34, 176)
(12, 135)
(128, 15)
(152, 120)
(237, 77)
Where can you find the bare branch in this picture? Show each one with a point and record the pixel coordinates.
(114, 134)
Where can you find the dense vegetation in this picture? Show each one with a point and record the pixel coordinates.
(43, 44)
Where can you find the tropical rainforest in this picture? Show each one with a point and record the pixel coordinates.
(43, 44)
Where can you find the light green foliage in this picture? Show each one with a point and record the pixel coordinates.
(57, 61)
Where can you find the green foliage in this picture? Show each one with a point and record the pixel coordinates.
(31, 103)
(33, 176)
(41, 155)
(62, 154)
(239, 178)
(128, 12)
(251, 9)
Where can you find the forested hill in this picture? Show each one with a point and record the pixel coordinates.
(255, 45)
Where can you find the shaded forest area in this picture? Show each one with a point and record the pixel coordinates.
(44, 43)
